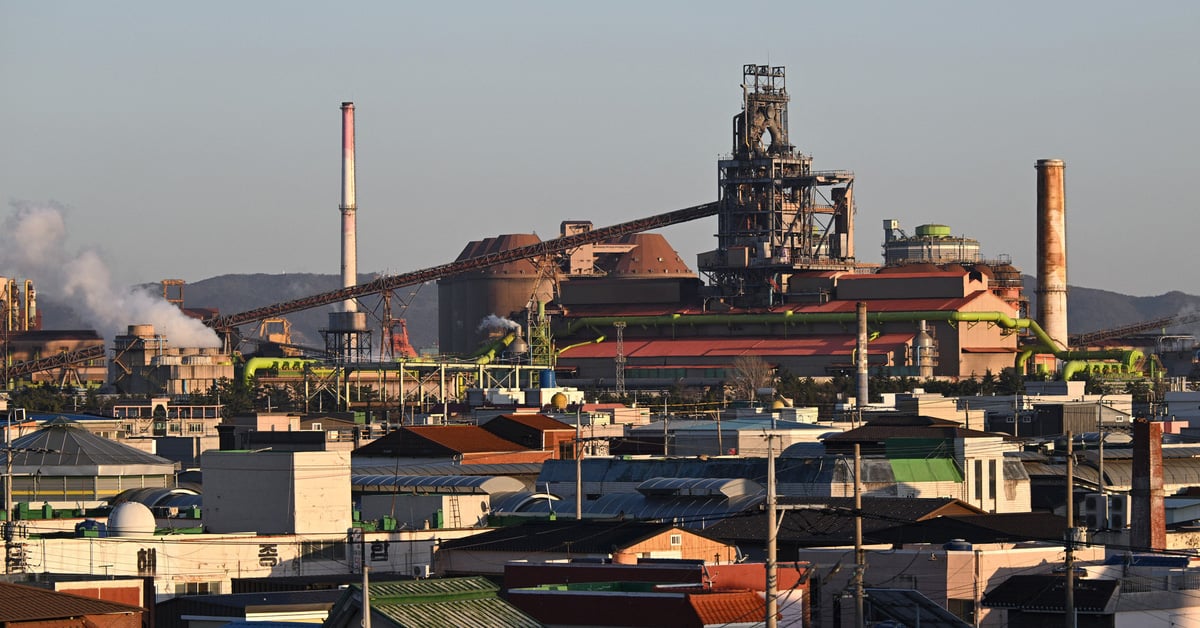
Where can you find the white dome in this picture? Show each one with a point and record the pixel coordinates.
(131, 519)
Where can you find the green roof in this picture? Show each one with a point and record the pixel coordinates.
(477, 613)
(432, 603)
(925, 470)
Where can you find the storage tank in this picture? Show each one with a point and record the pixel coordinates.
(932, 244)
(466, 299)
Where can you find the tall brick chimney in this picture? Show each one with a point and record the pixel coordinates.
(1148, 525)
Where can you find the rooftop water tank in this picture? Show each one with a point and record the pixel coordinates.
(131, 519)
(957, 545)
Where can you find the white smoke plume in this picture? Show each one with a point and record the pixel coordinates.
(33, 245)
(491, 321)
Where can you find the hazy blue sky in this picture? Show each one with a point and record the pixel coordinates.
(195, 139)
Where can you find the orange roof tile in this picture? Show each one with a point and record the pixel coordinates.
(727, 608)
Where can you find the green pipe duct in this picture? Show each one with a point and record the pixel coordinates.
(595, 341)
(486, 355)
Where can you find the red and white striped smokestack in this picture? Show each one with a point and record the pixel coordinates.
(348, 207)
(1052, 249)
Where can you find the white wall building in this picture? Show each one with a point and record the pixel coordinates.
(277, 492)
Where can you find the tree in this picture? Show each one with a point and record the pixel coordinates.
(44, 397)
(1010, 382)
(750, 373)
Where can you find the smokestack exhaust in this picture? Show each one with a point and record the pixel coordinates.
(348, 207)
(1052, 250)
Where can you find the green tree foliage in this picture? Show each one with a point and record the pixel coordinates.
(44, 397)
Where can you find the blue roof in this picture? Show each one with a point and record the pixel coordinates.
(42, 417)
(1147, 560)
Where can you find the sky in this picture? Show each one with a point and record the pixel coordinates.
(189, 140)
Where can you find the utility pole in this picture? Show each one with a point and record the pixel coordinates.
(859, 562)
(1100, 452)
(666, 436)
(578, 470)
(772, 535)
(619, 360)
(1069, 585)
(9, 524)
(366, 596)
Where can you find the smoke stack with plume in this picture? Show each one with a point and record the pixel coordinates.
(33, 245)
(491, 321)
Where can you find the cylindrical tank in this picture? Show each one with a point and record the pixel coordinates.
(1052, 249)
(546, 379)
(933, 231)
(141, 331)
(933, 244)
(347, 321)
(923, 344)
(466, 299)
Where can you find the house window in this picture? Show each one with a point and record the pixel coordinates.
(195, 428)
(978, 479)
(316, 427)
(963, 609)
(193, 588)
(993, 479)
(323, 550)
(676, 540)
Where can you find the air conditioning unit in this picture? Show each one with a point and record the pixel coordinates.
(422, 571)
(1118, 512)
(1094, 511)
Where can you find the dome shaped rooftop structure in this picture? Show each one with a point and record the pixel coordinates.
(131, 519)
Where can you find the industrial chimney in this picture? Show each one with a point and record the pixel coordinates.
(1052, 250)
(348, 207)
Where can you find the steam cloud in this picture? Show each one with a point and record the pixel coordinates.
(32, 245)
(491, 321)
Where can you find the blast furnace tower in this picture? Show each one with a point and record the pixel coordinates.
(778, 217)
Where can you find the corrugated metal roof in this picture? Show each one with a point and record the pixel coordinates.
(1048, 593)
(388, 592)
(433, 603)
(481, 613)
(438, 440)
(368, 466)
(64, 448)
(689, 512)
(912, 608)
(439, 484)
(895, 305)
(831, 520)
(726, 347)
(699, 487)
(579, 537)
(535, 421)
(25, 604)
